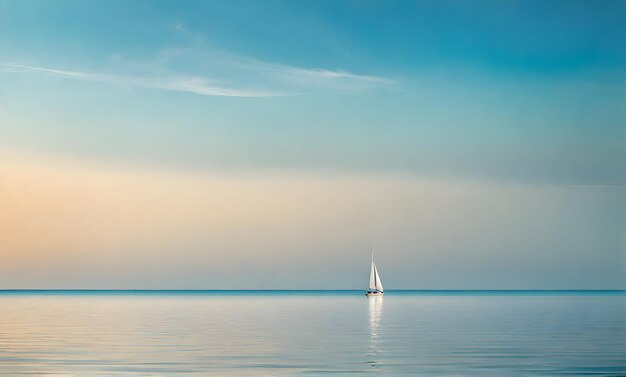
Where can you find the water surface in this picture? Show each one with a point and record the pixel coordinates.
(296, 333)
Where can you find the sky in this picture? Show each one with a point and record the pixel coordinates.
(270, 144)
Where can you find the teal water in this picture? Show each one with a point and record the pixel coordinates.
(310, 333)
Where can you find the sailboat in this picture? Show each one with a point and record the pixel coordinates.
(376, 286)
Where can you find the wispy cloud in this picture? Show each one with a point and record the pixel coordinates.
(316, 74)
(216, 74)
(189, 84)
(303, 80)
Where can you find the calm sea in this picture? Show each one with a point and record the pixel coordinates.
(311, 333)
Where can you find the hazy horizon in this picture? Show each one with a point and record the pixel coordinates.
(270, 145)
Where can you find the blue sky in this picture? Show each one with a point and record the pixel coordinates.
(512, 95)
(463, 83)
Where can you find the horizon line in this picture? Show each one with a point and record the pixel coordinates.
(296, 290)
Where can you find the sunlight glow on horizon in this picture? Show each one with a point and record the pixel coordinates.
(71, 224)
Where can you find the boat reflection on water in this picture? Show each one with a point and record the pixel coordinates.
(375, 311)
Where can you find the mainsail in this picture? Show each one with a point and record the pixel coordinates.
(379, 284)
(375, 283)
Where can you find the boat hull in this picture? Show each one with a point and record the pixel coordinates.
(374, 293)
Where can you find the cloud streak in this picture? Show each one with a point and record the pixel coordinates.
(271, 79)
(302, 74)
(190, 84)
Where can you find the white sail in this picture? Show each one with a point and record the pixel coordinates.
(373, 275)
(377, 282)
